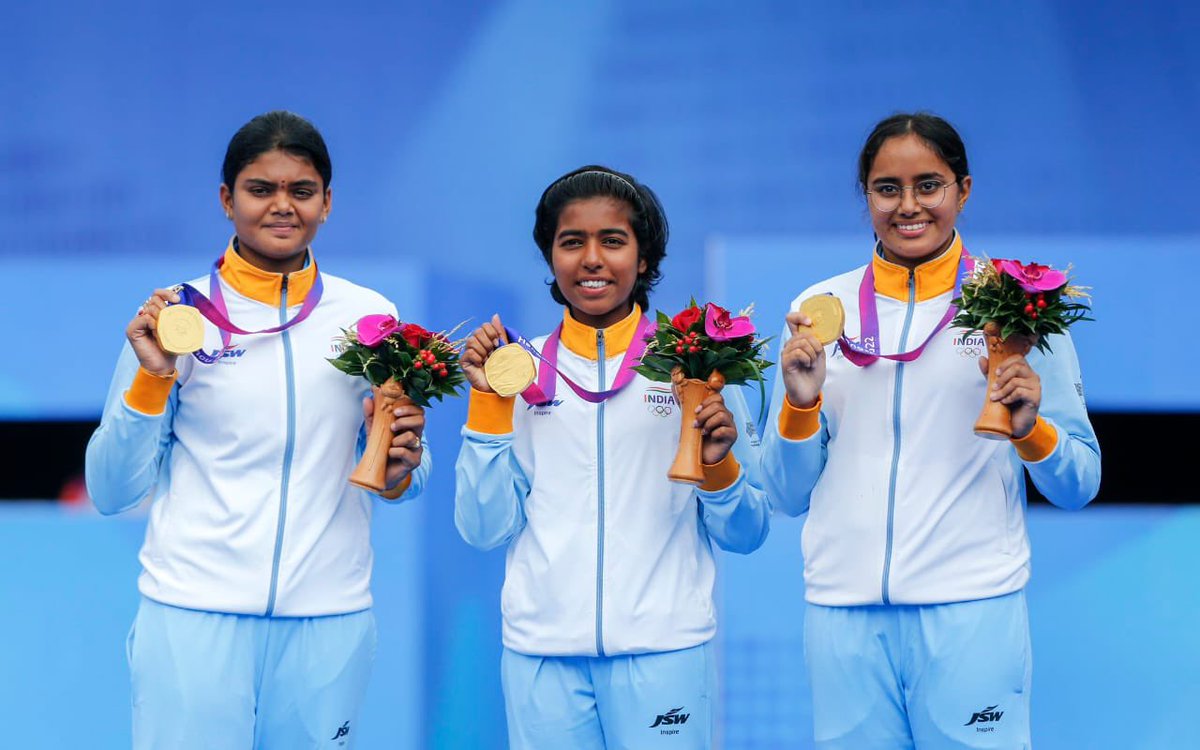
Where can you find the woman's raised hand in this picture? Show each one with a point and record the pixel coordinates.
(802, 362)
(480, 344)
(140, 333)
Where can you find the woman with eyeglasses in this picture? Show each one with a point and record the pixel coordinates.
(915, 550)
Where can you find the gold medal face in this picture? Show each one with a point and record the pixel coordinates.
(509, 370)
(828, 317)
(180, 329)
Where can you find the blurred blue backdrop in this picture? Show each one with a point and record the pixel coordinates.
(445, 122)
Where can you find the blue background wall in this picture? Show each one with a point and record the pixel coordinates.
(445, 122)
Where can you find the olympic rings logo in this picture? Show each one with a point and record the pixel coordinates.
(660, 410)
(970, 351)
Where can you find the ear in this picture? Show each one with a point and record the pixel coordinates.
(226, 201)
(642, 266)
(328, 204)
(965, 190)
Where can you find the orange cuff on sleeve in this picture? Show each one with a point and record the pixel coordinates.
(149, 392)
(398, 490)
(1039, 443)
(720, 475)
(799, 424)
(487, 412)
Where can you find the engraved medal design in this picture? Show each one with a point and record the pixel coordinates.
(180, 329)
(509, 370)
(827, 315)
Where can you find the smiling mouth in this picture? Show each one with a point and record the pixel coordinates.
(593, 283)
(913, 227)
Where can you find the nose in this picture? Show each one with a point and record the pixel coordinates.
(593, 258)
(282, 203)
(908, 201)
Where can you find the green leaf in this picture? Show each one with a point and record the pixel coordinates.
(650, 373)
(345, 367)
(376, 372)
(762, 395)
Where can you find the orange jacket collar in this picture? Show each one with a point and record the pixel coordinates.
(264, 286)
(581, 338)
(933, 277)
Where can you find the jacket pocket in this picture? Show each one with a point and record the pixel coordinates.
(1005, 503)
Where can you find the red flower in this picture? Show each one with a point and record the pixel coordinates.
(687, 318)
(415, 335)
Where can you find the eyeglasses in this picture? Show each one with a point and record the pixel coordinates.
(928, 193)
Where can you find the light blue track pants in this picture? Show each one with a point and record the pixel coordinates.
(925, 677)
(214, 681)
(657, 700)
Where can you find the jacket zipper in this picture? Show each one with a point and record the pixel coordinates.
(600, 499)
(899, 388)
(288, 449)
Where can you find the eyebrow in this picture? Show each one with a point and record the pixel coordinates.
(268, 183)
(918, 178)
(581, 233)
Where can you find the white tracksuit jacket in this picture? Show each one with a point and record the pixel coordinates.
(606, 556)
(246, 459)
(905, 504)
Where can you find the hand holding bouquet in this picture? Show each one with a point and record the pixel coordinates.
(1016, 306)
(699, 351)
(404, 364)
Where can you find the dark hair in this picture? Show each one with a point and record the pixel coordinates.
(938, 134)
(646, 216)
(276, 130)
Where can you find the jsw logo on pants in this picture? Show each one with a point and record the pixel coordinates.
(343, 731)
(670, 717)
(988, 714)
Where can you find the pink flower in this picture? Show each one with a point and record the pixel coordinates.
(721, 327)
(373, 329)
(1034, 277)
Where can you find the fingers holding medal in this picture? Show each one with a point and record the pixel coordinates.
(146, 331)
(818, 322)
(492, 365)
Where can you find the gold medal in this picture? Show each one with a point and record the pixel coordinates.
(509, 370)
(179, 329)
(827, 316)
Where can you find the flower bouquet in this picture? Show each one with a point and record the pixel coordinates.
(699, 351)
(404, 363)
(1016, 306)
